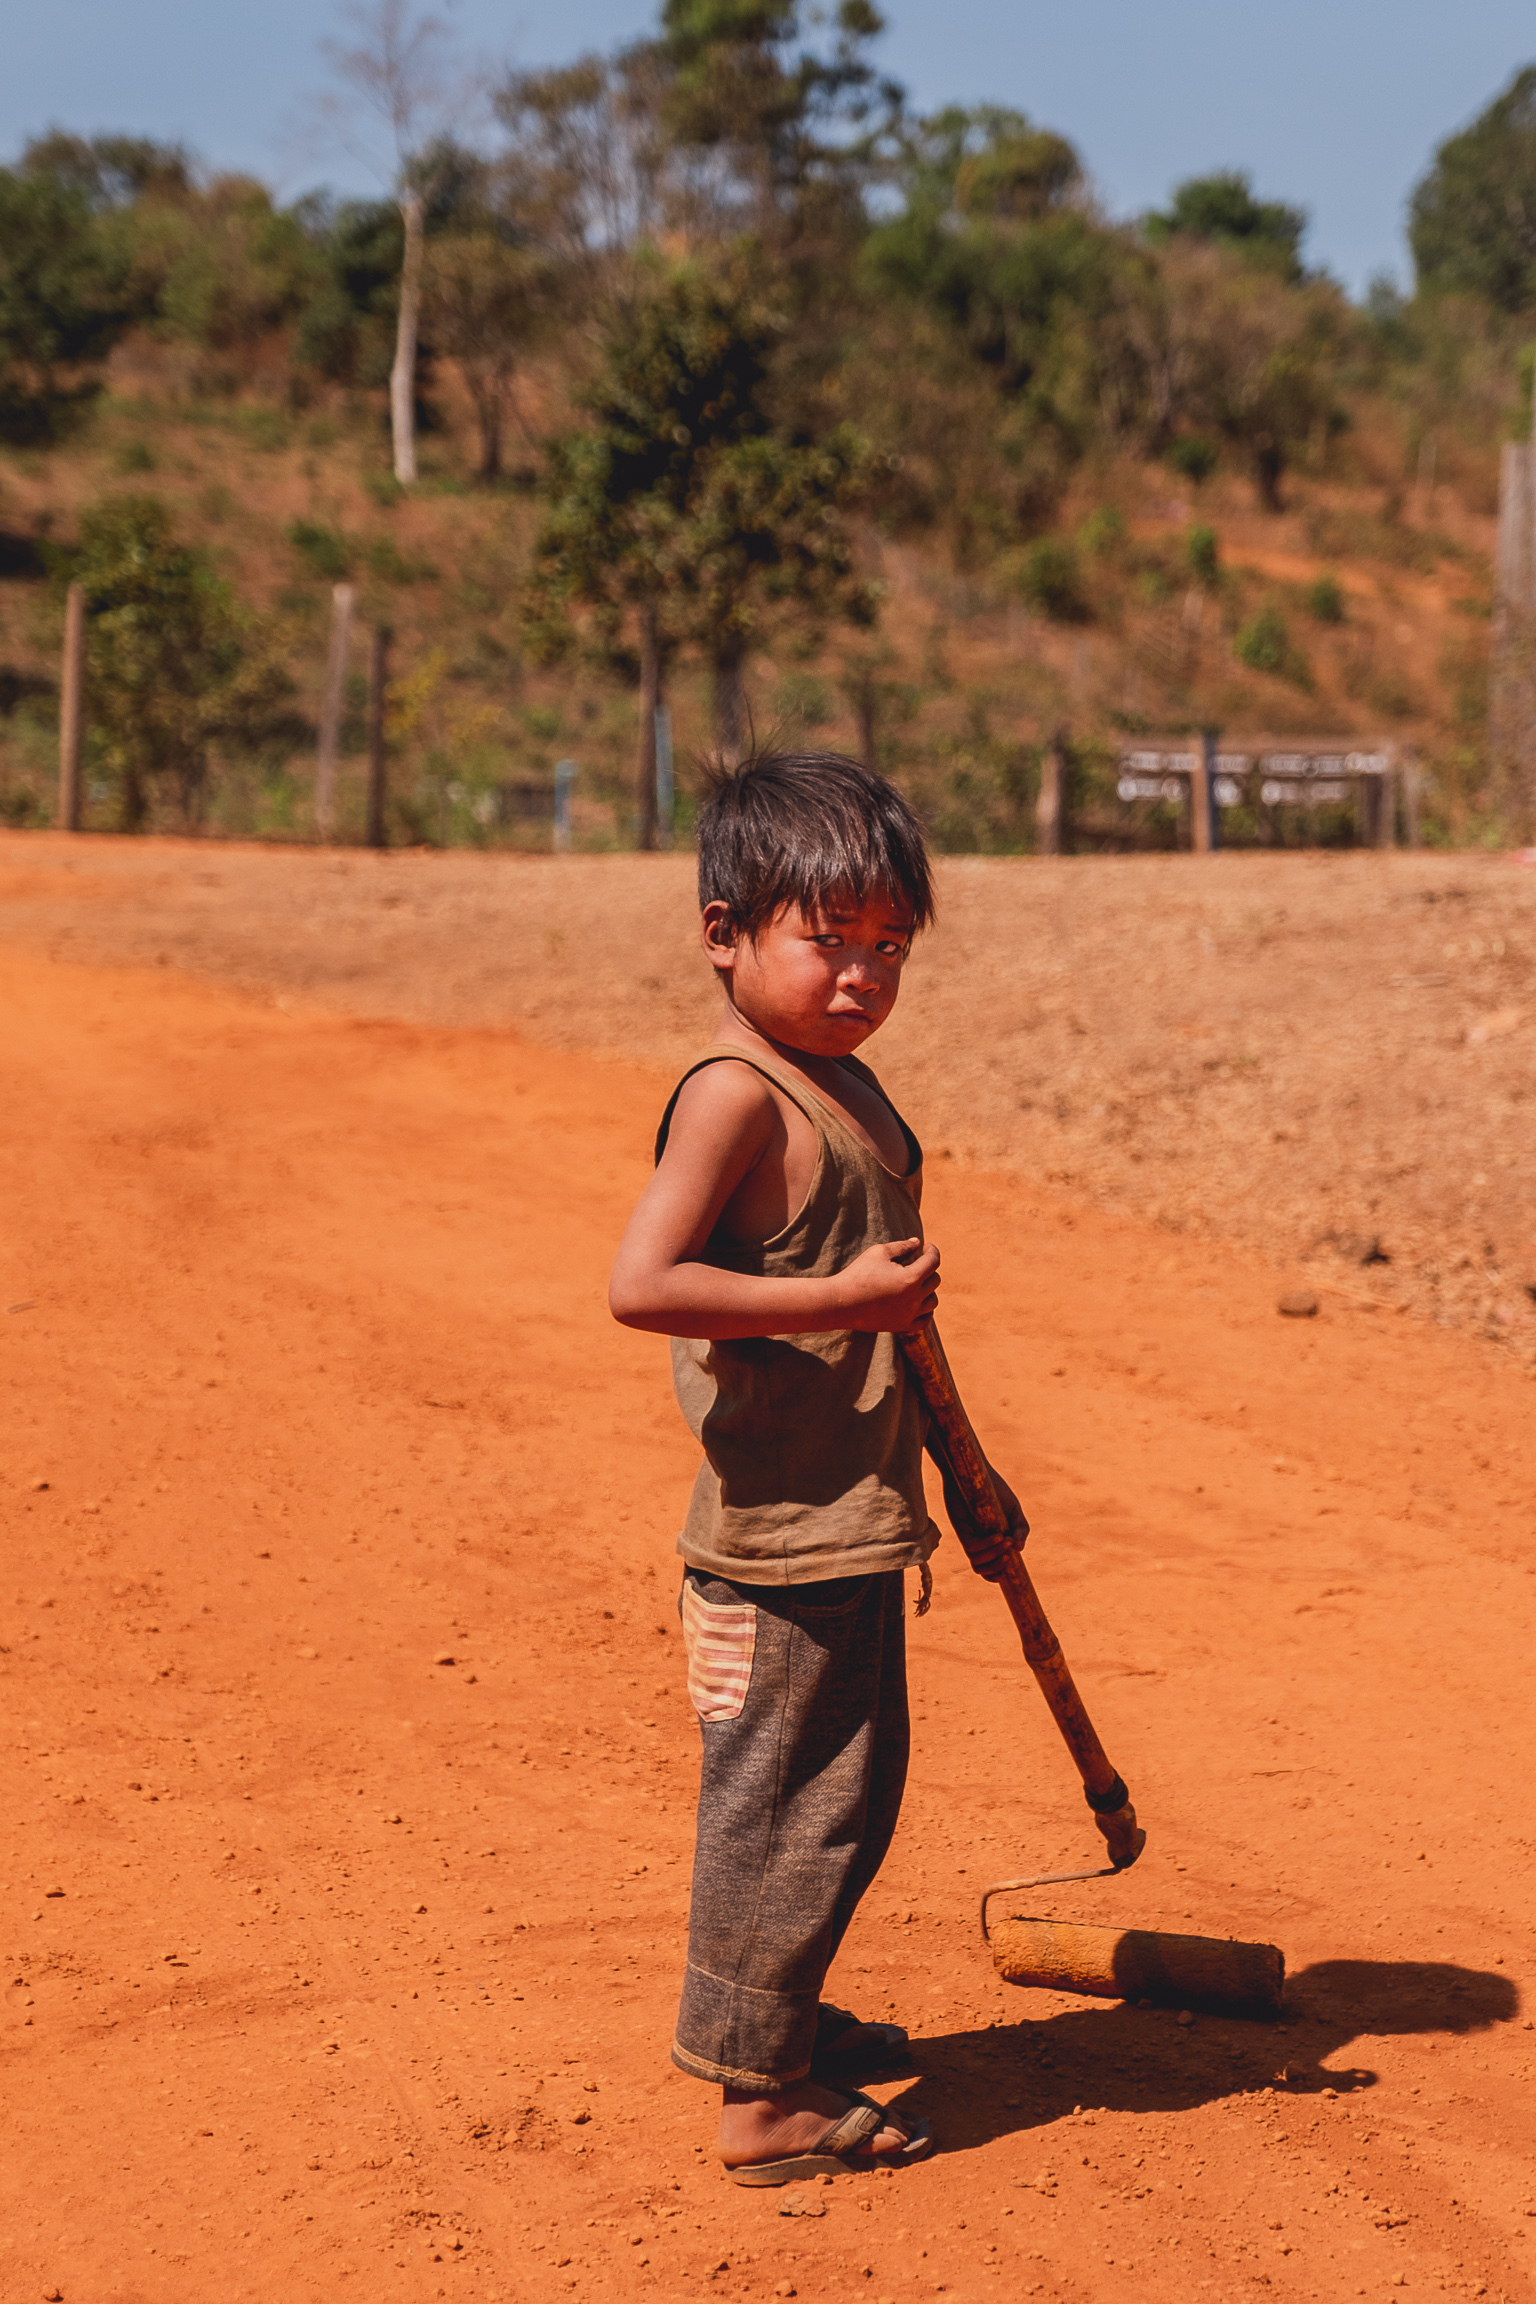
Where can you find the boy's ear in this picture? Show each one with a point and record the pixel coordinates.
(718, 935)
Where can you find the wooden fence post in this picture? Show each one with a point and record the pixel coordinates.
(666, 792)
(332, 709)
(1050, 806)
(1386, 801)
(1409, 776)
(71, 710)
(1202, 830)
(378, 691)
(565, 782)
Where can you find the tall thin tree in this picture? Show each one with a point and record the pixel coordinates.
(397, 69)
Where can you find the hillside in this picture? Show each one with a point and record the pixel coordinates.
(1369, 590)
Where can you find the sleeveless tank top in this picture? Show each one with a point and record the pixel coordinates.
(813, 1445)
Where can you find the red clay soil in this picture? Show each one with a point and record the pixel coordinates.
(348, 1764)
(1326, 1057)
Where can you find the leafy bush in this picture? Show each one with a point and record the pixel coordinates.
(1204, 555)
(1222, 209)
(390, 565)
(804, 699)
(1469, 217)
(1102, 532)
(1195, 458)
(62, 307)
(1050, 582)
(1264, 644)
(325, 550)
(170, 667)
(1325, 600)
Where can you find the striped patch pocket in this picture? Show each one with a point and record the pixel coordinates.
(720, 1639)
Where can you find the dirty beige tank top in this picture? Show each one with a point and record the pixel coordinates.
(813, 1445)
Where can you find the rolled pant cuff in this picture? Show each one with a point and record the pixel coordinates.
(760, 2083)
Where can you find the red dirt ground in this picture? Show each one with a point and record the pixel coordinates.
(329, 1961)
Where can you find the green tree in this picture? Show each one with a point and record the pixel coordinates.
(798, 123)
(682, 516)
(395, 72)
(1221, 209)
(997, 238)
(218, 265)
(109, 172)
(170, 669)
(346, 329)
(1021, 294)
(1206, 344)
(585, 163)
(62, 305)
(1472, 218)
(484, 302)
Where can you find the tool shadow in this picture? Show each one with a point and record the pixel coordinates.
(1007, 2079)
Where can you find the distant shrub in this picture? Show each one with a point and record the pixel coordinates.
(383, 487)
(802, 697)
(1050, 582)
(1204, 554)
(324, 550)
(1325, 600)
(135, 456)
(1196, 458)
(390, 565)
(173, 669)
(1102, 531)
(1264, 644)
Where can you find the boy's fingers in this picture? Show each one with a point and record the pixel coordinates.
(912, 1252)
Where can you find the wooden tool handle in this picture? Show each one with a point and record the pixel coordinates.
(961, 1450)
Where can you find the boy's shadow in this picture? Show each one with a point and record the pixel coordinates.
(977, 2086)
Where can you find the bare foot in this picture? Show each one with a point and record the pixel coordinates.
(756, 2128)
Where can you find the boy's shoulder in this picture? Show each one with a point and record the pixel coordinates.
(723, 1092)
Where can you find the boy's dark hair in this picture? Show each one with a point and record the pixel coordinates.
(804, 828)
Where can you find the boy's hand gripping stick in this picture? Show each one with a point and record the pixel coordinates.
(1105, 1789)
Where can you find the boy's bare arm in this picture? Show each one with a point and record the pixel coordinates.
(724, 1124)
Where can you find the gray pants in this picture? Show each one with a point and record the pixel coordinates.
(801, 1691)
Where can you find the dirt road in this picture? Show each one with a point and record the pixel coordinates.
(329, 1959)
(1327, 1057)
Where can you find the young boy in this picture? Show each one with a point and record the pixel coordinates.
(779, 1245)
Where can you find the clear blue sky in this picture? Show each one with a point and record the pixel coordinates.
(1337, 104)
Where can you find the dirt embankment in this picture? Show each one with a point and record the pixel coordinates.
(330, 1960)
(1329, 1058)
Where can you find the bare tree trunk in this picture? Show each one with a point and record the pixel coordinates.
(1512, 676)
(332, 709)
(135, 800)
(402, 376)
(489, 411)
(650, 701)
(730, 705)
(1049, 804)
(1204, 823)
(864, 708)
(1268, 468)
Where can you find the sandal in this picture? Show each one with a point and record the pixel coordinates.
(831, 2061)
(843, 2150)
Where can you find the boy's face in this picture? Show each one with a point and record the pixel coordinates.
(821, 981)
